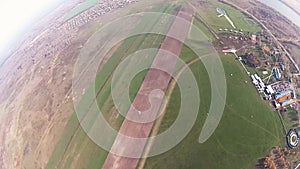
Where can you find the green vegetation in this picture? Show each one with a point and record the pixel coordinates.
(248, 129)
(209, 14)
(201, 26)
(75, 148)
(290, 117)
(81, 8)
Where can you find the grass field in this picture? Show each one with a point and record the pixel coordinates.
(209, 14)
(248, 129)
(290, 118)
(198, 24)
(75, 149)
(239, 139)
(81, 8)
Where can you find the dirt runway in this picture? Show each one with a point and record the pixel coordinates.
(155, 79)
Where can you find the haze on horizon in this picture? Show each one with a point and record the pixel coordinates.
(17, 16)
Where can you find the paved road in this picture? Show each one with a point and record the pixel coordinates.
(298, 166)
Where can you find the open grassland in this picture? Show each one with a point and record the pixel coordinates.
(81, 8)
(208, 12)
(204, 29)
(75, 149)
(248, 129)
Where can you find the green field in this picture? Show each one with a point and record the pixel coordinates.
(81, 8)
(248, 129)
(204, 29)
(290, 118)
(209, 14)
(239, 139)
(75, 149)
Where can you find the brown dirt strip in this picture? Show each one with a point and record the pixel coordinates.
(155, 79)
(163, 112)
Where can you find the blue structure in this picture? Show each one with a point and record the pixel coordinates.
(282, 67)
(294, 94)
(277, 96)
(286, 102)
(277, 73)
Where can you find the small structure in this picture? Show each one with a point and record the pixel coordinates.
(258, 78)
(254, 81)
(221, 13)
(277, 105)
(280, 97)
(285, 99)
(139, 113)
(253, 39)
(293, 94)
(293, 138)
(277, 73)
(262, 85)
(270, 90)
(282, 67)
(287, 102)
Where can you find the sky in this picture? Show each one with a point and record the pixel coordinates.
(17, 15)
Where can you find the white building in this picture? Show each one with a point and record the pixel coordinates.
(254, 81)
(270, 90)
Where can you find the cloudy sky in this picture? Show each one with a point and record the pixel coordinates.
(17, 15)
